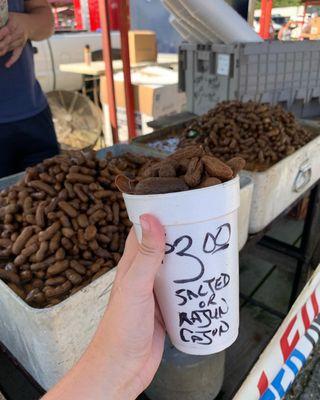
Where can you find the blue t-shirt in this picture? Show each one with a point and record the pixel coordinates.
(20, 93)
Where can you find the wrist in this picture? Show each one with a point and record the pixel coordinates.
(115, 381)
(123, 390)
(121, 385)
(26, 20)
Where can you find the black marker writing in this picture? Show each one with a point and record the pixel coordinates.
(211, 242)
(208, 287)
(203, 337)
(204, 316)
(183, 253)
(208, 317)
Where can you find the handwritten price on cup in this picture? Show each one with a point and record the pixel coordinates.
(207, 320)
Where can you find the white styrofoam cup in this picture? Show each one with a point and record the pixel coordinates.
(197, 287)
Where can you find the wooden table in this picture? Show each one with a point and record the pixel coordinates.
(93, 71)
(97, 68)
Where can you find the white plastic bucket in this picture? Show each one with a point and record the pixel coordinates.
(197, 286)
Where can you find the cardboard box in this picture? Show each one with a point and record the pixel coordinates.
(155, 95)
(155, 91)
(142, 46)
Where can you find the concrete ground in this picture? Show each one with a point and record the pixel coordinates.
(278, 282)
(307, 383)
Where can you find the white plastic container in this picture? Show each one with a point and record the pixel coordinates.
(246, 191)
(282, 184)
(197, 286)
(48, 342)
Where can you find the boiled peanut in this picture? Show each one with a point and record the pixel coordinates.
(160, 185)
(78, 267)
(96, 266)
(187, 152)
(67, 232)
(57, 281)
(211, 181)
(9, 276)
(236, 164)
(58, 267)
(22, 240)
(83, 220)
(79, 178)
(43, 264)
(68, 209)
(26, 276)
(58, 291)
(49, 232)
(90, 233)
(73, 276)
(194, 172)
(41, 253)
(54, 242)
(42, 186)
(216, 168)
(60, 254)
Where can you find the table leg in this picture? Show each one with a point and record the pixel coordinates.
(309, 242)
(95, 91)
(84, 89)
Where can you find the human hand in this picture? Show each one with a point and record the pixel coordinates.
(126, 351)
(133, 324)
(13, 37)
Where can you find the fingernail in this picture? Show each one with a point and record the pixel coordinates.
(145, 223)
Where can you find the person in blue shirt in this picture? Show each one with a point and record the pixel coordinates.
(27, 133)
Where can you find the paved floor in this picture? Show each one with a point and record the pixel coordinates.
(252, 270)
(307, 383)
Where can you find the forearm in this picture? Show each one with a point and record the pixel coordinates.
(126, 350)
(96, 376)
(39, 22)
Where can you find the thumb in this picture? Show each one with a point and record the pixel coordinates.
(149, 257)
